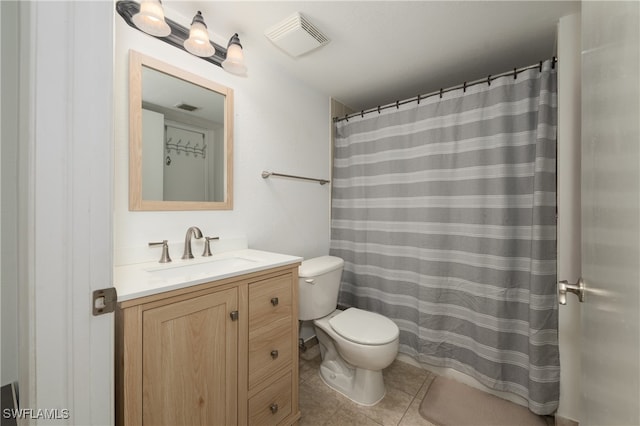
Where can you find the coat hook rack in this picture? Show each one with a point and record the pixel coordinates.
(266, 174)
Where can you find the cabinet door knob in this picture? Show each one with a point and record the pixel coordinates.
(274, 301)
(234, 315)
(273, 408)
(274, 354)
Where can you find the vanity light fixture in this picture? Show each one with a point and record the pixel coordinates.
(198, 42)
(150, 19)
(194, 40)
(234, 63)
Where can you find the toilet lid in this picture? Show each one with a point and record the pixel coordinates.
(364, 327)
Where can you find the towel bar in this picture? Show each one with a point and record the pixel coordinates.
(266, 174)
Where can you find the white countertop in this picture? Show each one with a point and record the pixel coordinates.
(145, 279)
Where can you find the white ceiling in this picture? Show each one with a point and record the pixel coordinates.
(383, 51)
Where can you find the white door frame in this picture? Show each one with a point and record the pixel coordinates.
(65, 224)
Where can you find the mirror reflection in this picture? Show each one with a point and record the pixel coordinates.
(180, 139)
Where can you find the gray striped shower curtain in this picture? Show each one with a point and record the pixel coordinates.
(445, 214)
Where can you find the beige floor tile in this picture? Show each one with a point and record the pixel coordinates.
(425, 386)
(324, 391)
(311, 352)
(406, 387)
(412, 417)
(317, 405)
(390, 410)
(321, 405)
(350, 416)
(405, 377)
(307, 368)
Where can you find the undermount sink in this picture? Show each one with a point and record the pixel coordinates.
(150, 278)
(209, 267)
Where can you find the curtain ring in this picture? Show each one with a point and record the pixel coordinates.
(418, 99)
(464, 87)
(489, 80)
(362, 113)
(346, 117)
(515, 73)
(378, 109)
(540, 66)
(441, 93)
(397, 104)
(553, 63)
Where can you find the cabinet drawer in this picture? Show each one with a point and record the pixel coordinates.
(270, 348)
(272, 404)
(269, 301)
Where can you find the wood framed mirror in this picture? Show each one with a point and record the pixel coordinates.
(180, 139)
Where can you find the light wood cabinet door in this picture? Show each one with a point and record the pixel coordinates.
(190, 361)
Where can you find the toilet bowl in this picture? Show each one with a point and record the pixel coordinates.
(355, 344)
(352, 359)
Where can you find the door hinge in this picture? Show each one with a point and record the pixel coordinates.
(104, 301)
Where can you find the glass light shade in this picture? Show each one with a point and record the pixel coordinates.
(198, 42)
(150, 19)
(234, 63)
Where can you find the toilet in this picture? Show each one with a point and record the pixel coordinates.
(355, 344)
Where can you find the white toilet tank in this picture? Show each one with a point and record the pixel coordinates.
(318, 286)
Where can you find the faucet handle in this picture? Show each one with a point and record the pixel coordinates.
(165, 250)
(207, 249)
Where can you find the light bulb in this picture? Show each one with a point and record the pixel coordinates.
(198, 42)
(234, 62)
(150, 19)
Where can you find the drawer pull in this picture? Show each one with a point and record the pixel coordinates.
(274, 301)
(234, 315)
(273, 408)
(274, 354)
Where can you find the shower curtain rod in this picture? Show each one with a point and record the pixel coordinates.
(440, 92)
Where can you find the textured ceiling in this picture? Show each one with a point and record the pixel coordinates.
(383, 51)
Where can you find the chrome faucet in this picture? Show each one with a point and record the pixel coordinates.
(165, 258)
(195, 232)
(207, 248)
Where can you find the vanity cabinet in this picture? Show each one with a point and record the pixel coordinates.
(219, 353)
(271, 349)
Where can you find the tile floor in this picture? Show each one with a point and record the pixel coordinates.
(406, 386)
(321, 405)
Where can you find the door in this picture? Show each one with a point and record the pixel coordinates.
(65, 181)
(190, 361)
(185, 167)
(610, 213)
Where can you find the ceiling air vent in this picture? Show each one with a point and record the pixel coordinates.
(186, 107)
(296, 35)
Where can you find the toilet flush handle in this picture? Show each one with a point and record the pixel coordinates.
(309, 280)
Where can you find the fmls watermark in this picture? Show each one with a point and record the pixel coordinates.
(36, 413)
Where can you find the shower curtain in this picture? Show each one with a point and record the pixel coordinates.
(444, 212)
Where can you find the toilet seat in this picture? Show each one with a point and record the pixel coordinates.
(364, 327)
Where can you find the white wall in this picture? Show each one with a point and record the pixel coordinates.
(280, 125)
